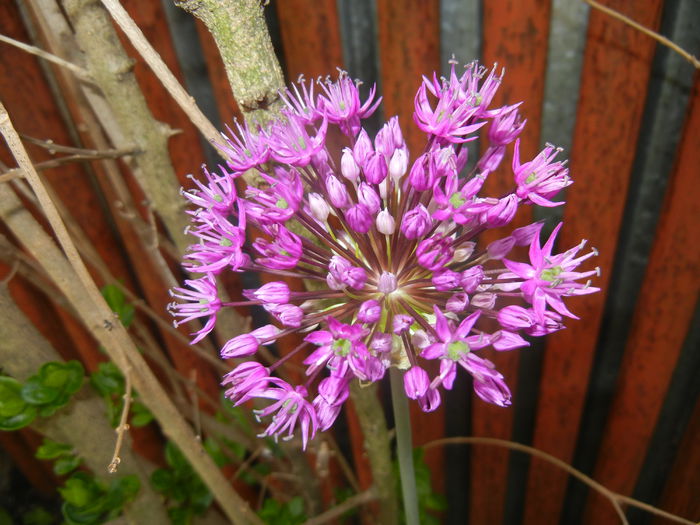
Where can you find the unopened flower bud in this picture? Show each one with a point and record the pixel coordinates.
(505, 340)
(385, 222)
(457, 303)
(446, 280)
(370, 311)
(363, 148)
(419, 177)
(464, 251)
(502, 212)
(471, 278)
(387, 282)
(375, 168)
(348, 166)
(416, 382)
(337, 192)
(319, 207)
(359, 218)
(367, 196)
(416, 222)
(485, 300)
(523, 236)
(500, 248)
(398, 164)
(240, 346)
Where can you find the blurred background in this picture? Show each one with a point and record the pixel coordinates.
(615, 394)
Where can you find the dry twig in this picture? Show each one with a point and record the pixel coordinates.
(616, 500)
(639, 27)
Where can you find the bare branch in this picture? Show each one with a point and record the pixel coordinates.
(653, 34)
(73, 277)
(79, 71)
(615, 499)
(152, 58)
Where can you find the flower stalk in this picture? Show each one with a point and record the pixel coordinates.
(404, 448)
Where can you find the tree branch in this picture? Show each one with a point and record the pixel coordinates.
(71, 275)
(112, 70)
(239, 29)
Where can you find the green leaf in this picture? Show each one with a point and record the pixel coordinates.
(76, 375)
(175, 458)
(75, 515)
(127, 486)
(37, 516)
(117, 303)
(120, 491)
(68, 376)
(200, 498)
(53, 374)
(80, 489)
(11, 402)
(215, 451)
(296, 506)
(20, 420)
(5, 518)
(180, 515)
(36, 393)
(108, 379)
(162, 480)
(66, 464)
(51, 450)
(140, 415)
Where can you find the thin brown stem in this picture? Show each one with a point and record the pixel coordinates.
(83, 74)
(71, 274)
(653, 34)
(355, 501)
(123, 426)
(47, 164)
(616, 500)
(155, 62)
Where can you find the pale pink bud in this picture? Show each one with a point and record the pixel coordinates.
(370, 311)
(240, 346)
(367, 196)
(348, 166)
(387, 282)
(319, 207)
(337, 192)
(485, 300)
(385, 223)
(398, 164)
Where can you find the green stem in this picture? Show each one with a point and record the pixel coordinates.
(404, 447)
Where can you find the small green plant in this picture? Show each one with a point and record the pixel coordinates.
(187, 495)
(64, 457)
(289, 513)
(86, 501)
(117, 302)
(109, 382)
(40, 396)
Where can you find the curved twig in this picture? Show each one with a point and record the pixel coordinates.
(615, 499)
(653, 34)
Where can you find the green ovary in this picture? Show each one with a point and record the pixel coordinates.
(342, 347)
(457, 349)
(457, 200)
(551, 274)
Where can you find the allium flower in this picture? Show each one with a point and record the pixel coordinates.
(391, 248)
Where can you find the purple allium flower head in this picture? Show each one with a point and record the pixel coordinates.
(401, 275)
